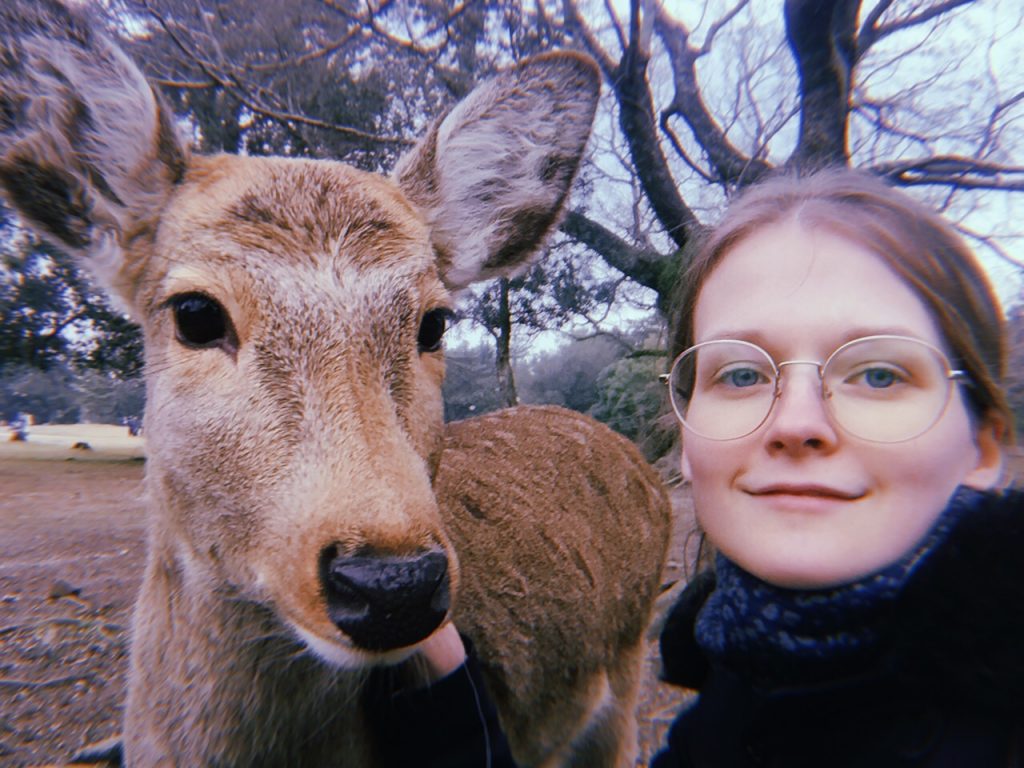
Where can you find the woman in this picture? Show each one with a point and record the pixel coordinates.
(842, 429)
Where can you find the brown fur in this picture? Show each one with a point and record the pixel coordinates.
(317, 422)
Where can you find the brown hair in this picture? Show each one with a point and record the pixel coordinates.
(916, 243)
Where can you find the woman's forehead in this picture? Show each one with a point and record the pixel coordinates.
(786, 280)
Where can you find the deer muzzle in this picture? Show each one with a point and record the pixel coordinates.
(383, 602)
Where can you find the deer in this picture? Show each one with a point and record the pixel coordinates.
(311, 518)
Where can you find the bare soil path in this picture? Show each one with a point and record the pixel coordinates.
(72, 535)
(71, 554)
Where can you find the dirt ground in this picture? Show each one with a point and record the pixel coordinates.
(71, 556)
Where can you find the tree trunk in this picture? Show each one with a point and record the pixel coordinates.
(640, 127)
(503, 359)
(822, 37)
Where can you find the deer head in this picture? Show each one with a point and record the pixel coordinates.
(293, 312)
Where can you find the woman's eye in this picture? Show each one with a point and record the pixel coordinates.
(741, 378)
(200, 321)
(880, 378)
(744, 377)
(432, 328)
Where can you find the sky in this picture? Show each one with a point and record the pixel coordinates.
(967, 64)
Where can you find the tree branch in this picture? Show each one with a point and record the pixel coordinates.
(868, 34)
(319, 53)
(616, 25)
(989, 243)
(953, 171)
(730, 165)
(647, 267)
(989, 135)
(240, 92)
(590, 42)
(677, 145)
(871, 31)
(599, 334)
(638, 124)
(713, 29)
(914, 20)
(821, 37)
(370, 22)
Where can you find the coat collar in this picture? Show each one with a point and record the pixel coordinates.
(956, 630)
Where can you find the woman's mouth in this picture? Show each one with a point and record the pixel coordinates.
(804, 490)
(804, 497)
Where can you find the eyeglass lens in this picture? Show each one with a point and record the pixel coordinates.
(883, 389)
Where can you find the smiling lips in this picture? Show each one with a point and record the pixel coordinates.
(805, 491)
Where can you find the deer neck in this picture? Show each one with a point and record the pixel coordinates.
(216, 679)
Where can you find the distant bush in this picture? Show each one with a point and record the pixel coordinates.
(597, 376)
(60, 395)
(47, 395)
(1015, 366)
(470, 384)
(106, 399)
(568, 375)
(631, 400)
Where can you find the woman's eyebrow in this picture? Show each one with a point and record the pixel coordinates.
(761, 339)
(727, 334)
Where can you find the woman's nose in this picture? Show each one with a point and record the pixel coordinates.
(800, 417)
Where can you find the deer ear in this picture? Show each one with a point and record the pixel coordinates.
(88, 154)
(493, 175)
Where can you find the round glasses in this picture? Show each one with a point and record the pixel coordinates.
(884, 389)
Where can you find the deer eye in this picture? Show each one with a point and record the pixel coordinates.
(432, 328)
(200, 320)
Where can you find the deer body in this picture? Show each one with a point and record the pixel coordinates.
(556, 614)
(311, 517)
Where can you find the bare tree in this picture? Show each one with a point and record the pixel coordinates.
(702, 99)
(871, 83)
(866, 84)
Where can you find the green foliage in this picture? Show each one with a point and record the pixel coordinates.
(630, 396)
(112, 345)
(51, 316)
(36, 306)
(599, 376)
(60, 395)
(568, 375)
(560, 288)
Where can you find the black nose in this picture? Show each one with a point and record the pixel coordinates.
(386, 602)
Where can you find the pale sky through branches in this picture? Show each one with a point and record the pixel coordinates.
(947, 87)
(933, 87)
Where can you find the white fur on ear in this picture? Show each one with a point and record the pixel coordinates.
(87, 151)
(492, 176)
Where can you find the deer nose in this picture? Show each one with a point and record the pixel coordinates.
(385, 602)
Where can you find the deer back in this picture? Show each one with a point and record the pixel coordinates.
(562, 530)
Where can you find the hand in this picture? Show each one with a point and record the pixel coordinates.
(442, 653)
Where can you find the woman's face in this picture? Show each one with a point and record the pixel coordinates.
(800, 503)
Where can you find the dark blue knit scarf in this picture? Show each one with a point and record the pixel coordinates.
(785, 635)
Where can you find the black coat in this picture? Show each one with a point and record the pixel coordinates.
(946, 687)
(453, 723)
